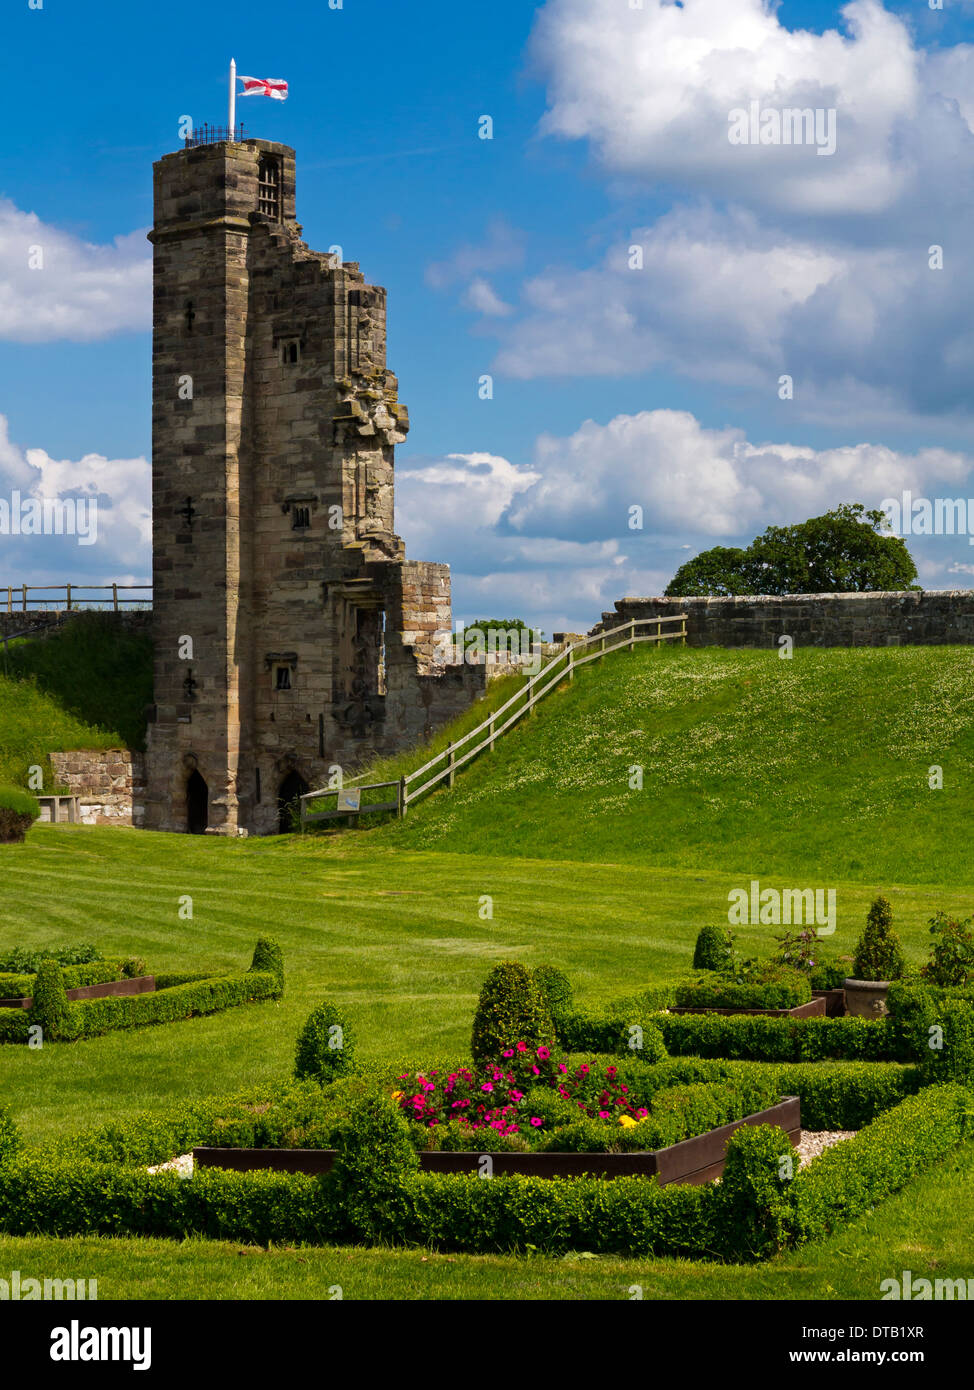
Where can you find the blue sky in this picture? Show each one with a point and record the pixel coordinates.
(614, 387)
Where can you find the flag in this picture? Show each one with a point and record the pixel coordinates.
(264, 87)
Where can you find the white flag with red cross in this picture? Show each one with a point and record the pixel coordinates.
(264, 87)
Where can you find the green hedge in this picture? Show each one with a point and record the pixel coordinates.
(838, 1095)
(66, 1021)
(726, 994)
(882, 1158)
(747, 1037)
(75, 977)
(375, 1193)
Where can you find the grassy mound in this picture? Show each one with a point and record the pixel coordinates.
(84, 686)
(819, 765)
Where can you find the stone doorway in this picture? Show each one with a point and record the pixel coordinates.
(197, 804)
(288, 807)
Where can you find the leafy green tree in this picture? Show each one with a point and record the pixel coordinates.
(847, 550)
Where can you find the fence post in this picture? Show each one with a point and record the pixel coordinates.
(683, 633)
(402, 796)
(659, 631)
(68, 587)
(602, 648)
(115, 597)
(490, 733)
(571, 663)
(452, 763)
(25, 598)
(632, 635)
(10, 599)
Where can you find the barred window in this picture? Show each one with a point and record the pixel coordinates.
(269, 187)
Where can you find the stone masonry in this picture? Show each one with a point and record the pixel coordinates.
(109, 781)
(291, 633)
(937, 617)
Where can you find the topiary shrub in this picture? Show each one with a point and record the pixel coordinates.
(556, 990)
(879, 955)
(269, 957)
(51, 1008)
(9, 1135)
(511, 1009)
(374, 1162)
(326, 1047)
(18, 811)
(714, 949)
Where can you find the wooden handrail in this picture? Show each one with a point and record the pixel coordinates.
(534, 689)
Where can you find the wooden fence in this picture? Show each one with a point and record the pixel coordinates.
(483, 738)
(20, 598)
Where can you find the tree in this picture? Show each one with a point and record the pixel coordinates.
(848, 550)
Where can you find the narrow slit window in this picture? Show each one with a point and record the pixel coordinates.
(282, 678)
(302, 519)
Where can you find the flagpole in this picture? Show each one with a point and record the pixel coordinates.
(233, 99)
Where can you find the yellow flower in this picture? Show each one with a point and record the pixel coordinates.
(397, 1095)
(627, 1121)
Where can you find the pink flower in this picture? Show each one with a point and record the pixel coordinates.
(544, 1053)
(562, 1067)
(517, 1095)
(603, 1114)
(536, 1121)
(508, 1052)
(536, 1071)
(486, 1086)
(522, 1047)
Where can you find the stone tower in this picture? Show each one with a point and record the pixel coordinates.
(291, 634)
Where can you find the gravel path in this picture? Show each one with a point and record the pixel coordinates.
(815, 1142)
(183, 1165)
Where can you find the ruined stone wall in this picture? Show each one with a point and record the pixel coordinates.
(936, 617)
(109, 781)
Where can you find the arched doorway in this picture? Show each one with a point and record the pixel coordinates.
(197, 804)
(290, 789)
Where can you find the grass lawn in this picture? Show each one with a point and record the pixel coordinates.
(395, 937)
(808, 774)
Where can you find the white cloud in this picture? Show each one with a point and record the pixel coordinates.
(77, 290)
(481, 296)
(120, 487)
(552, 542)
(652, 88)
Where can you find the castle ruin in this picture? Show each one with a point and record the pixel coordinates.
(291, 633)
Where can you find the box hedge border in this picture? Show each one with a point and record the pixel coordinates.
(751, 1214)
(176, 997)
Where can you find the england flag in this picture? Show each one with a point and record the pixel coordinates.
(264, 87)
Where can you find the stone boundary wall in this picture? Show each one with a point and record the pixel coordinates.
(110, 782)
(41, 620)
(934, 618)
